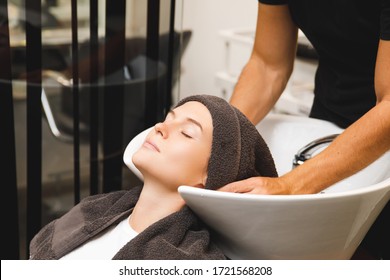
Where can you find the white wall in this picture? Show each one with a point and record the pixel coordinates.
(205, 54)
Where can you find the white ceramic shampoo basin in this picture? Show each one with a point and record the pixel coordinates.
(329, 225)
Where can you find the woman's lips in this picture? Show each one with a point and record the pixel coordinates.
(150, 145)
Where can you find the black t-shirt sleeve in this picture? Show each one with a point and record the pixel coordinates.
(385, 20)
(274, 2)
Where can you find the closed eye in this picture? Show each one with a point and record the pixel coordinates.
(186, 135)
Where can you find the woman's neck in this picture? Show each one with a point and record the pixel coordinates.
(156, 201)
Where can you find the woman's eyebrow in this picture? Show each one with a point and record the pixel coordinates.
(189, 119)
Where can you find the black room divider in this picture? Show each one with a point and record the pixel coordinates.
(101, 112)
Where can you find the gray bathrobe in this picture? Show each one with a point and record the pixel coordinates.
(180, 235)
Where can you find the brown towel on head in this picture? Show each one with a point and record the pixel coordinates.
(238, 151)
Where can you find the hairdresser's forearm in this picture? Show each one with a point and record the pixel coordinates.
(358, 146)
(258, 89)
(266, 74)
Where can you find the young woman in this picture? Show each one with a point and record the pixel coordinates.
(204, 142)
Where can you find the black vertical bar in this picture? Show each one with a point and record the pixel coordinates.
(10, 248)
(94, 98)
(113, 96)
(152, 52)
(171, 46)
(75, 91)
(153, 22)
(34, 117)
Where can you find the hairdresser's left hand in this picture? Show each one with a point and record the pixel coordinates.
(258, 185)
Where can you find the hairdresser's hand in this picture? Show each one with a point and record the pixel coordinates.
(258, 185)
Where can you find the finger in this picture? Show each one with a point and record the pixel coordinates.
(237, 187)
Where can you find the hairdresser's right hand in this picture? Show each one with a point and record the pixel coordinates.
(258, 185)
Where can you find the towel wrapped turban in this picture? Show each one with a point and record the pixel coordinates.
(238, 151)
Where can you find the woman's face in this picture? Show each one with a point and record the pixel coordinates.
(177, 151)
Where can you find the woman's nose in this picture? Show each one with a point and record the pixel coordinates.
(162, 129)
